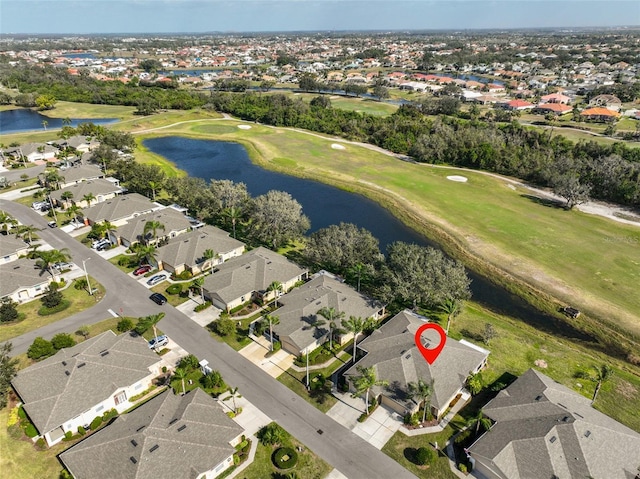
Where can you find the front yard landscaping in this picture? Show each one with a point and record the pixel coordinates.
(237, 339)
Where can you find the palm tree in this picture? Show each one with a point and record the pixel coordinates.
(180, 374)
(479, 420)
(233, 394)
(53, 178)
(423, 392)
(73, 211)
(199, 284)
(273, 321)
(89, 197)
(452, 308)
(7, 221)
(276, 287)
(142, 252)
(66, 196)
(601, 375)
(154, 185)
(360, 271)
(354, 325)
(331, 315)
(365, 382)
(210, 255)
(26, 232)
(233, 214)
(153, 227)
(45, 123)
(49, 257)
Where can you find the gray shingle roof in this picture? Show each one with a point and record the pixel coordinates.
(301, 305)
(188, 248)
(392, 351)
(81, 172)
(21, 273)
(171, 219)
(251, 272)
(52, 397)
(11, 245)
(120, 207)
(182, 452)
(96, 187)
(544, 429)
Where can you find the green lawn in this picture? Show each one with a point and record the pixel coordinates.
(485, 221)
(172, 299)
(309, 465)
(518, 346)
(241, 338)
(80, 300)
(401, 447)
(323, 400)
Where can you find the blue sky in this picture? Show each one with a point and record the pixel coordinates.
(166, 16)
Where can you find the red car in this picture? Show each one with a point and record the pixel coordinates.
(145, 268)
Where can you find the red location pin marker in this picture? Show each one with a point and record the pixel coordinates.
(430, 354)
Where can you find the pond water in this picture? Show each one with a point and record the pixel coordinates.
(24, 119)
(326, 205)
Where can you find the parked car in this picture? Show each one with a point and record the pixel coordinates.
(52, 224)
(144, 269)
(103, 246)
(159, 341)
(158, 298)
(156, 279)
(62, 266)
(101, 242)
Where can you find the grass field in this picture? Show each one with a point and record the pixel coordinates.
(66, 109)
(583, 260)
(80, 300)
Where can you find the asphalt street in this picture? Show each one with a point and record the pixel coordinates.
(334, 443)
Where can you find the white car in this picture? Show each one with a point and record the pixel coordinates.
(63, 266)
(99, 243)
(156, 279)
(158, 342)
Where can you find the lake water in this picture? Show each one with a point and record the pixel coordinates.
(24, 119)
(326, 205)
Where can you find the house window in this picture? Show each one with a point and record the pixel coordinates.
(120, 398)
(99, 408)
(138, 386)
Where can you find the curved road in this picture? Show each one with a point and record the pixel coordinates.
(334, 443)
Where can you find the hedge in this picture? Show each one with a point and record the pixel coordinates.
(44, 311)
(30, 430)
(95, 424)
(425, 456)
(202, 307)
(280, 463)
(174, 289)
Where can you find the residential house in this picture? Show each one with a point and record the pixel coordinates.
(299, 311)
(78, 173)
(600, 114)
(11, 248)
(120, 209)
(37, 151)
(518, 105)
(80, 143)
(555, 98)
(71, 388)
(173, 223)
(555, 108)
(248, 278)
(170, 436)
(610, 102)
(392, 352)
(186, 252)
(545, 430)
(101, 189)
(22, 280)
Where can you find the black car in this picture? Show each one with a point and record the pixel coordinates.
(158, 298)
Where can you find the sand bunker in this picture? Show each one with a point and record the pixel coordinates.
(459, 179)
(244, 127)
(336, 146)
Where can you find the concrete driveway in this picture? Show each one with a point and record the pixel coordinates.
(275, 365)
(377, 429)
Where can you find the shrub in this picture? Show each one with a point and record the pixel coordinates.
(463, 437)
(124, 261)
(81, 430)
(224, 326)
(212, 380)
(8, 311)
(95, 424)
(462, 467)
(285, 458)
(110, 414)
(277, 346)
(425, 456)
(30, 430)
(22, 414)
(271, 434)
(62, 340)
(46, 311)
(175, 288)
(202, 307)
(124, 325)
(40, 444)
(40, 348)
(189, 363)
(52, 297)
(67, 436)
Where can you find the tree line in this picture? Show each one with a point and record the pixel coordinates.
(611, 172)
